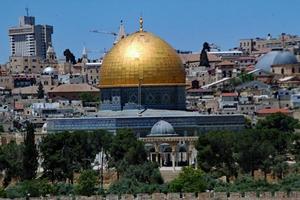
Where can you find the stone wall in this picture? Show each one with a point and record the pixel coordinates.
(186, 196)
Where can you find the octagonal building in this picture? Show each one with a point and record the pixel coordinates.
(142, 70)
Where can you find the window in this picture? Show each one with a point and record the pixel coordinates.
(293, 70)
(282, 71)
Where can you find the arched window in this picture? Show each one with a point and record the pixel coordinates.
(293, 70)
(282, 71)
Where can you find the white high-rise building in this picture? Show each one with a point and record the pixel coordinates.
(29, 39)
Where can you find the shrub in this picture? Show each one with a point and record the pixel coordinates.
(87, 183)
(189, 180)
(33, 188)
(2, 193)
(63, 189)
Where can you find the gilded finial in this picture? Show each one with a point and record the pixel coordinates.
(141, 24)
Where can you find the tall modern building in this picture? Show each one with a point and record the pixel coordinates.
(28, 39)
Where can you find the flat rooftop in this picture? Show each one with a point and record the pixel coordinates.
(148, 113)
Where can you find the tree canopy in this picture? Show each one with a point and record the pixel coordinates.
(30, 154)
(216, 153)
(278, 121)
(66, 153)
(40, 91)
(126, 150)
(189, 180)
(11, 156)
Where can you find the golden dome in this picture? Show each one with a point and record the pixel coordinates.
(141, 58)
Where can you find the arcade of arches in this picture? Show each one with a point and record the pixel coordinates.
(168, 149)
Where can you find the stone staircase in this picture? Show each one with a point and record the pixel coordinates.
(169, 175)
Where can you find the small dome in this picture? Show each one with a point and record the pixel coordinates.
(49, 71)
(275, 58)
(162, 128)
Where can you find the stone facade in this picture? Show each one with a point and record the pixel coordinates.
(189, 196)
(30, 64)
(161, 97)
(286, 70)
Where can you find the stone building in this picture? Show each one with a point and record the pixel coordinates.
(72, 91)
(32, 64)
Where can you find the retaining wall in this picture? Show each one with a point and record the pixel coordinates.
(185, 196)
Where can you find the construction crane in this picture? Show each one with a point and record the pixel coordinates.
(104, 32)
(118, 36)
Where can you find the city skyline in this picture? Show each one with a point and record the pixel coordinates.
(184, 25)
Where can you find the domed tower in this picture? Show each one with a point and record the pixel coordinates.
(144, 70)
(51, 55)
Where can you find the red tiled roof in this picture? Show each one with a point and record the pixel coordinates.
(19, 106)
(195, 57)
(82, 87)
(273, 110)
(226, 63)
(229, 94)
(250, 68)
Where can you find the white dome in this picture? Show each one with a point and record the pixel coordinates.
(162, 128)
(49, 71)
(275, 58)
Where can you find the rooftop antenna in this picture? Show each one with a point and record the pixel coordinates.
(27, 11)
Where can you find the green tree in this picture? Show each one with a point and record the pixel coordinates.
(36, 188)
(278, 121)
(87, 183)
(30, 154)
(244, 77)
(11, 157)
(126, 150)
(253, 151)
(294, 146)
(144, 178)
(88, 97)
(189, 180)
(216, 153)
(280, 167)
(290, 183)
(2, 193)
(40, 91)
(1, 128)
(66, 153)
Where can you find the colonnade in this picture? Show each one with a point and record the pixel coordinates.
(164, 150)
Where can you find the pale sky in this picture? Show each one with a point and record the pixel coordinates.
(185, 24)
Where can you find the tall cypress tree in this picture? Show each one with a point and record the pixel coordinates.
(40, 91)
(30, 154)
